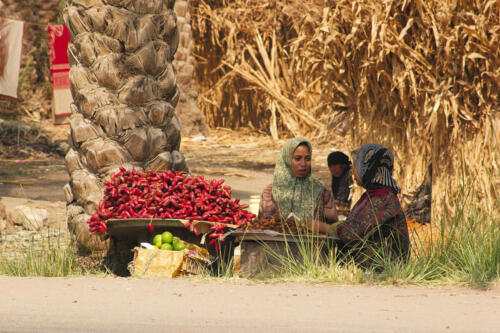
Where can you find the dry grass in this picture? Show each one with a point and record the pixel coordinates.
(419, 76)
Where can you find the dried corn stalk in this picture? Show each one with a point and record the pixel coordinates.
(125, 92)
(419, 76)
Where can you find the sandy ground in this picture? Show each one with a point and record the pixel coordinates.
(244, 160)
(131, 305)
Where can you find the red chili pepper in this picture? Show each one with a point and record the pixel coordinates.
(150, 227)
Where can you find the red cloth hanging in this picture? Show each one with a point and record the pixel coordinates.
(59, 72)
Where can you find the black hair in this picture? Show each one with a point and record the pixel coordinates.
(338, 157)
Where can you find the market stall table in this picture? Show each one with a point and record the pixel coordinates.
(125, 234)
(258, 254)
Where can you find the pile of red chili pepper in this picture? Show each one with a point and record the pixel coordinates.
(169, 195)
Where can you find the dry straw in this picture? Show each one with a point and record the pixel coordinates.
(420, 76)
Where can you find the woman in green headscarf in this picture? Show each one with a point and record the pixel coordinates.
(295, 191)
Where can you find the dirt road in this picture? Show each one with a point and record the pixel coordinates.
(93, 304)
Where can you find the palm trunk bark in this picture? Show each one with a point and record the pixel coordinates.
(125, 92)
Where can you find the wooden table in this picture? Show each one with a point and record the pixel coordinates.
(259, 254)
(126, 234)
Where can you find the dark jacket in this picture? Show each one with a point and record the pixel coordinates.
(341, 187)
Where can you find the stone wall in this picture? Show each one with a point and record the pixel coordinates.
(192, 120)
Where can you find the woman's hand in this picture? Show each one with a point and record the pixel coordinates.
(317, 226)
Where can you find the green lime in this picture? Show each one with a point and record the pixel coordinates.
(167, 246)
(157, 240)
(166, 237)
(157, 247)
(179, 246)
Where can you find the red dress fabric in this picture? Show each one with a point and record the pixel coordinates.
(376, 218)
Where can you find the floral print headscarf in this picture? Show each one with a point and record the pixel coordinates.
(300, 196)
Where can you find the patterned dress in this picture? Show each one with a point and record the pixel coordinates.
(376, 222)
(327, 211)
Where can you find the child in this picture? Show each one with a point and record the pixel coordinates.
(340, 169)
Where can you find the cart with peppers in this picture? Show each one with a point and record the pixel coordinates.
(138, 205)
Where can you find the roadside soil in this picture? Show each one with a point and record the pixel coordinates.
(94, 304)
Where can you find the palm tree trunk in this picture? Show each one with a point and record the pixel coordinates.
(125, 92)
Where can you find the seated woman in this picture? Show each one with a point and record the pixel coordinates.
(376, 221)
(340, 169)
(295, 190)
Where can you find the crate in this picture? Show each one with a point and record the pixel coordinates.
(164, 263)
(126, 234)
(256, 252)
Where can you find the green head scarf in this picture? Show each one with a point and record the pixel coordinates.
(300, 196)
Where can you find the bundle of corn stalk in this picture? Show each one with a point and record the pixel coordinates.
(421, 77)
(124, 89)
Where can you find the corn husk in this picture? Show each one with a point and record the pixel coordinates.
(143, 6)
(73, 210)
(104, 44)
(84, 49)
(118, 3)
(420, 77)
